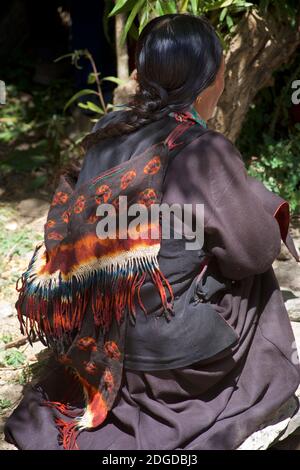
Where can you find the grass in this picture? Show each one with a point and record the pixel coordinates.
(16, 244)
(6, 338)
(5, 403)
(34, 135)
(12, 358)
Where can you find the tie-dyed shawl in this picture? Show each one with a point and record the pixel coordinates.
(73, 269)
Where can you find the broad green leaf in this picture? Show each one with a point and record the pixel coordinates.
(130, 20)
(14, 358)
(223, 14)
(118, 7)
(144, 18)
(229, 21)
(122, 6)
(78, 95)
(92, 107)
(218, 4)
(159, 8)
(184, 6)
(169, 6)
(226, 3)
(194, 5)
(116, 80)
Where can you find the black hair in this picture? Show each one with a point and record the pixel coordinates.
(177, 56)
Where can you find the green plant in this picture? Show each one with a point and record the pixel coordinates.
(33, 132)
(222, 13)
(33, 371)
(5, 403)
(6, 338)
(93, 78)
(27, 373)
(278, 167)
(281, 9)
(270, 141)
(17, 242)
(144, 10)
(13, 358)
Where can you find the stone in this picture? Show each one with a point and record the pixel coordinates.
(293, 308)
(32, 208)
(284, 422)
(272, 429)
(6, 309)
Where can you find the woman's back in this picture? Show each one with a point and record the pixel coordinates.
(202, 172)
(211, 375)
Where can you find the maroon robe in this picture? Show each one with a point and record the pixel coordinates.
(211, 403)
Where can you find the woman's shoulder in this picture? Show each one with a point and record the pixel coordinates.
(213, 148)
(215, 141)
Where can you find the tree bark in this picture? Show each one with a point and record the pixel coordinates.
(260, 46)
(121, 51)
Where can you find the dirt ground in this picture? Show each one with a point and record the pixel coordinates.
(21, 364)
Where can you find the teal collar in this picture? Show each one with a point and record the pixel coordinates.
(197, 117)
(191, 114)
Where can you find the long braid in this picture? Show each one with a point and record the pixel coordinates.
(144, 109)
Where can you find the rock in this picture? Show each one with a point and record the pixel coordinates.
(284, 254)
(272, 429)
(288, 274)
(293, 308)
(293, 425)
(37, 225)
(33, 208)
(12, 226)
(296, 331)
(284, 421)
(11, 392)
(289, 294)
(6, 309)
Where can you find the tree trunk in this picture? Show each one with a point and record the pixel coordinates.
(259, 46)
(121, 51)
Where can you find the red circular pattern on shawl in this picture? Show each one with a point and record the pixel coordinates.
(60, 198)
(111, 349)
(147, 197)
(65, 216)
(55, 236)
(153, 166)
(50, 223)
(108, 379)
(103, 194)
(127, 178)
(79, 204)
(90, 367)
(87, 343)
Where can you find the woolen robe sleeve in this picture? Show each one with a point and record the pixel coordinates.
(244, 237)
